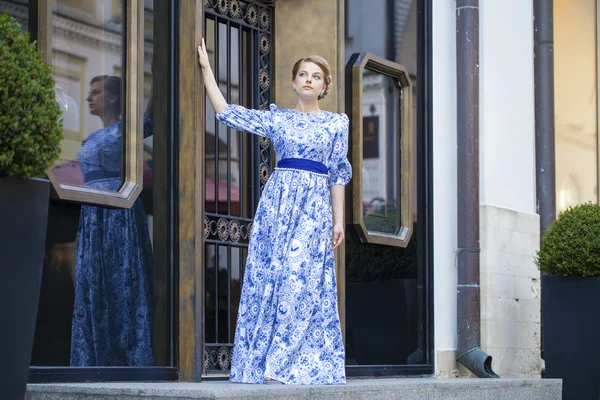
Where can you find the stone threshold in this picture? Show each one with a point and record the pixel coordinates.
(355, 389)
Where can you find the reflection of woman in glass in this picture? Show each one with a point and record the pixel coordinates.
(112, 320)
(288, 328)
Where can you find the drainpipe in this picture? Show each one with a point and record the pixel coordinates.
(545, 177)
(543, 47)
(469, 352)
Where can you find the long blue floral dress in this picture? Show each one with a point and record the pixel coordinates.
(288, 325)
(112, 315)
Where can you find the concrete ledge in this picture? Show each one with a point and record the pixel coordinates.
(355, 389)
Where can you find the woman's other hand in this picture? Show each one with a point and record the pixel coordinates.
(338, 235)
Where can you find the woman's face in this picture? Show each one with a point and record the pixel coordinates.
(99, 102)
(309, 81)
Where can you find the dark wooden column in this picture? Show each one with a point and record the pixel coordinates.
(190, 127)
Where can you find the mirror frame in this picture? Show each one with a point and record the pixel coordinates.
(132, 124)
(405, 179)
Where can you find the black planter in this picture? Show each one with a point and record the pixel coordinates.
(23, 217)
(571, 326)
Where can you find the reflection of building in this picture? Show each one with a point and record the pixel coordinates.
(205, 178)
(376, 137)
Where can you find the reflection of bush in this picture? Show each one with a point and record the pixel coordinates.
(380, 216)
(29, 116)
(381, 223)
(366, 262)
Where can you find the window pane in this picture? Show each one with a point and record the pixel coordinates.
(381, 152)
(104, 298)
(384, 318)
(576, 106)
(87, 56)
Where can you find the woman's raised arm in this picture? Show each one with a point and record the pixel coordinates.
(212, 89)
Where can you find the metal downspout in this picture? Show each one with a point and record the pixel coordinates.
(545, 177)
(469, 352)
(543, 45)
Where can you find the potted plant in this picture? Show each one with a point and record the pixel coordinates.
(569, 258)
(30, 135)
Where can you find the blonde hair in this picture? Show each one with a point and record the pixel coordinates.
(321, 63)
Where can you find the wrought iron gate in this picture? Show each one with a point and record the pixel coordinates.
(238, 37)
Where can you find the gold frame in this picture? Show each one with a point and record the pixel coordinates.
(132, 113)
(406, 184)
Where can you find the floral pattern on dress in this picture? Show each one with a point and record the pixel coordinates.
(112, 316)
(288, 325)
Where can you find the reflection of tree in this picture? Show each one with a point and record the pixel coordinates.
(381, 216)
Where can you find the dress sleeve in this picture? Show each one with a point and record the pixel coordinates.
(258, 122)
(340, 170)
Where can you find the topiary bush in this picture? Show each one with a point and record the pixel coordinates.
(571, 245)
(30, 117)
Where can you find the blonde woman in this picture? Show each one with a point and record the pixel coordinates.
(288, 327)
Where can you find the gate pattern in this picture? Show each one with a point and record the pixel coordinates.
(239, 42)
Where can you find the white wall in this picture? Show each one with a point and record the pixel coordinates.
(444, 181)
(510, 232)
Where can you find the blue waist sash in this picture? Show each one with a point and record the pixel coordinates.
(305, 165)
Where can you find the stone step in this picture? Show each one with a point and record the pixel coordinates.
(355, 389)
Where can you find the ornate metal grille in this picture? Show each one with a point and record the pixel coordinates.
(239, 42)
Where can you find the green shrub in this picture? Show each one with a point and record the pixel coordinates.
(571, 245)
(367, 262)
(30, 117)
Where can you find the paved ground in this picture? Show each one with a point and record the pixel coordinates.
(356, 389)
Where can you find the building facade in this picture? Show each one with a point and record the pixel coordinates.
(196, 183)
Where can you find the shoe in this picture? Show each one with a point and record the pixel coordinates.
(271, 381)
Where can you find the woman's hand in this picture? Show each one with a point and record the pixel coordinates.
(212, 89)
(338, 235)
(203, 56)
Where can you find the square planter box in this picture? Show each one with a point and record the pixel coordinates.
(570, 314)
(23, 217)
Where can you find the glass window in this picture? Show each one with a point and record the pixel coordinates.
(104, 298)
(98, 95)
(89, 89)
(576, 103)
(381, 98)
(382, 134)
(384, 308)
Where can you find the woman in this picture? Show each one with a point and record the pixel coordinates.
(112, 321)
(288, 328)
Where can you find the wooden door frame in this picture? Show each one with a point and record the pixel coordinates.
(190, 125)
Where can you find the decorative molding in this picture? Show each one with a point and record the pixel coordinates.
(83, 33)
(19, 12)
